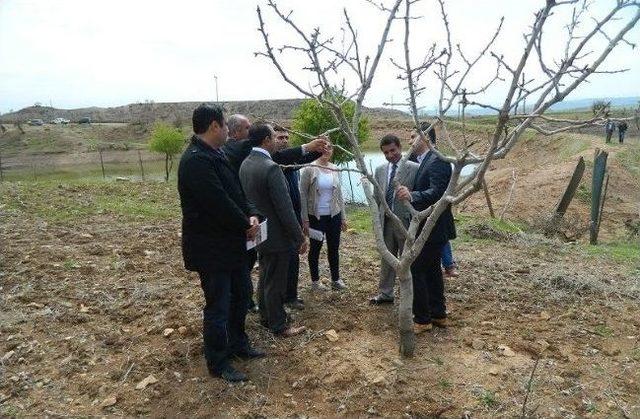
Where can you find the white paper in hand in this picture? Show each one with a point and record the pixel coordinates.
(316, 234)
(261, 236)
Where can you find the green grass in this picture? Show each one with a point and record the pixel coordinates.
(488, 399)
(623, 252)
(583, 193)
(444, 384)
(603, 331)
(359, 219)
(76, 200)
(629, 158)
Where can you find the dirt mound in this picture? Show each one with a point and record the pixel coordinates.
(278, 109)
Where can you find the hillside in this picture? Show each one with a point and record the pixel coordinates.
(175, 111)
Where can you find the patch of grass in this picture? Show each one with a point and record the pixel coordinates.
(359, 219)
(571, 146)
(629, 158)
(70, 264)
(488, 399)
(444, 384)
(635, 354)
(622, 252)
(603, 331)
(590, 406)
(583, 193)
(76, 200)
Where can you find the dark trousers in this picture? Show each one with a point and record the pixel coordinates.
(330, 226)
(292, 277)
(252, 256)
(428, 285)
(272, 287)
(224, 313)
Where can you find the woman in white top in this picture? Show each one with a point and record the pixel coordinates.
(323, 214)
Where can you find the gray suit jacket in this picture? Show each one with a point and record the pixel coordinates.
(266, 187)
(405, 176)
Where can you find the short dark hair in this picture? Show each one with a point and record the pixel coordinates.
(259, 132)
(279, 128)
(204, 115)
(389, 139)
(424, 127)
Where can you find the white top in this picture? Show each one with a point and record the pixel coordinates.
(422, 156)
(325, 192)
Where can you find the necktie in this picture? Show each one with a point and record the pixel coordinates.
(390, 189)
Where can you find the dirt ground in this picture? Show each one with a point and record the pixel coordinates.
(99, 318)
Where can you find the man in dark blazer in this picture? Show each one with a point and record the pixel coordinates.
(217, 219)
(431, 181)
(266, 187)
(237, 148)
(292, 175)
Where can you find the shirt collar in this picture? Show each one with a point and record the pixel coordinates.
(262, 150)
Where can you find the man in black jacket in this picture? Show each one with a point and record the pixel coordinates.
(217, 219)
(430, 184)
(237, 148)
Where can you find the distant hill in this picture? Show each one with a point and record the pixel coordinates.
(147, 112)
(567, 105)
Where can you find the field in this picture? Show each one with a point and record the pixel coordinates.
(100, 318)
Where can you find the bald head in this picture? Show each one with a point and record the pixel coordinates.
(238, 127)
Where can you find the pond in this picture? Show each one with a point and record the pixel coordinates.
(352, 185)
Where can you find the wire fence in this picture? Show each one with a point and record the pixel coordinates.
(135, 165)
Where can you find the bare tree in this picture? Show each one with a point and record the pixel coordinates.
(339, 69)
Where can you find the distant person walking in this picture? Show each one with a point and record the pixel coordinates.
(609, 127)
(622, 129)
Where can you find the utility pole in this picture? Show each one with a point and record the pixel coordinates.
(216, 79)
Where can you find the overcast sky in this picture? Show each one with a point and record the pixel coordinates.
(77, 53)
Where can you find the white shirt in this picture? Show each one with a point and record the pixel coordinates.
(421, 157)
(261, 150)
(325, 192)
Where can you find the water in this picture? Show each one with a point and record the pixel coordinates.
(352, 185)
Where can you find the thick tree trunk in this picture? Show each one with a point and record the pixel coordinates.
(405, 314)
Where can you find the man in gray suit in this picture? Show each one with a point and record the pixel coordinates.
(266, 187)
(388, 175)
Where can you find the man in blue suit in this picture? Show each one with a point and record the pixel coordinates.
(431, 181)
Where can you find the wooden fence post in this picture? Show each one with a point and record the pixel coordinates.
(485, 188)
(101, 163)
(597, 200)
(567, 197)
(141, 167)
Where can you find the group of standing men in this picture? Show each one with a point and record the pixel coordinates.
(231, 178)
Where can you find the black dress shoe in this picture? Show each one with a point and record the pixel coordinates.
(228, 373)
(251, 353)
(380, 299)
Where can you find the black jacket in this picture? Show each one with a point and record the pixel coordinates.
(430, 184)
(238, 150)
(215, 211)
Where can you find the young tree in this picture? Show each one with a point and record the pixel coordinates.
(444, 72)
(312, 117)
(169, 141)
